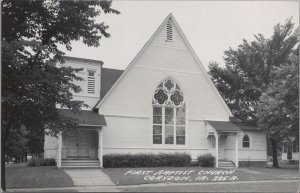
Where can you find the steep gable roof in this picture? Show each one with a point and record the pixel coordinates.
(181, 34)
(108, 78)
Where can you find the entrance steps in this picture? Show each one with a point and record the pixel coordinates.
(80, 163)
(226, 164)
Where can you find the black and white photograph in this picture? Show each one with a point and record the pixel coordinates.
(149, 96)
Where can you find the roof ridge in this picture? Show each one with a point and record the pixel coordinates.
(84, 59)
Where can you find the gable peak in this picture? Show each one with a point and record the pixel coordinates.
(170, 15)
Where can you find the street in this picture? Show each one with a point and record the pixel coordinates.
(250, 186)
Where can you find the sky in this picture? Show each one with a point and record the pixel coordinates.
(210, 27)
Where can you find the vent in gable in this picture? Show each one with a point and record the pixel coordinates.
(169, 32)
(91, 82)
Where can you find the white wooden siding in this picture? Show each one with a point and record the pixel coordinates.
(89, 99)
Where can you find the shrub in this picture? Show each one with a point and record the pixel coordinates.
(41, 162)
(49, 162)
(206, 160)
(146, 160)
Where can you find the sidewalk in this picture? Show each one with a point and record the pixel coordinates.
(89, 177)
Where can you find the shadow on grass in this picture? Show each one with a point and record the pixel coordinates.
(22, 176)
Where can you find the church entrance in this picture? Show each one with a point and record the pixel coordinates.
(81, 143)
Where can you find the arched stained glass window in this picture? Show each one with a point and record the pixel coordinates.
(246, 141)
(168, 114)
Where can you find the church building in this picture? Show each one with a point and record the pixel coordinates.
(164, 101)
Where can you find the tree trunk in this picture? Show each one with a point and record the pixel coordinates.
(274, 153)
(4, 135)
(3, 186)
(289, 153)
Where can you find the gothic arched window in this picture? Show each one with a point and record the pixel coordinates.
(246, 141)
(168, 114)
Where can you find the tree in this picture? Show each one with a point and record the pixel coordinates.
(16, 145)
(278, 108)
(250, 70)
(32, 85)
(36, 137)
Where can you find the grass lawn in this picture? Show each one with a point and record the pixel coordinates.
(134, 176)
(22, 176)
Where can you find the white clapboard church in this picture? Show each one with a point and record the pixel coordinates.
(164, 101)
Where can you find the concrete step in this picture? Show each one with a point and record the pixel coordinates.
(80, 163)
(80, 166)
(226, 164)
(226, 167)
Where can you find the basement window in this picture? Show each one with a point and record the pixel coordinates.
(91, 82)
(169, 32)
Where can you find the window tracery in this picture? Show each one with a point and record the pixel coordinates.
(168, 93)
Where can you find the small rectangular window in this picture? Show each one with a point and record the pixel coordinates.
(91, 82)
(157, 134)
(180, 135)
(246, 144)
(157, 125)
(180, 126)
(157, 139)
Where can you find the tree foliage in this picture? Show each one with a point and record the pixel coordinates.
(249, 69)
(32, 85)
(17, 142)
(278, 107)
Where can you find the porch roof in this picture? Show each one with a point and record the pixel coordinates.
(248, 127)
(223, 126)
(85, 117)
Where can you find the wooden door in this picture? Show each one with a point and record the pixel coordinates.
(72, 143)
(84, 143)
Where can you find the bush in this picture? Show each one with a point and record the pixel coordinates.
(206, 160)
(49, 162)
(146, 160)
(41, 162)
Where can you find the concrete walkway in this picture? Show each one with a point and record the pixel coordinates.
(89, 177)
